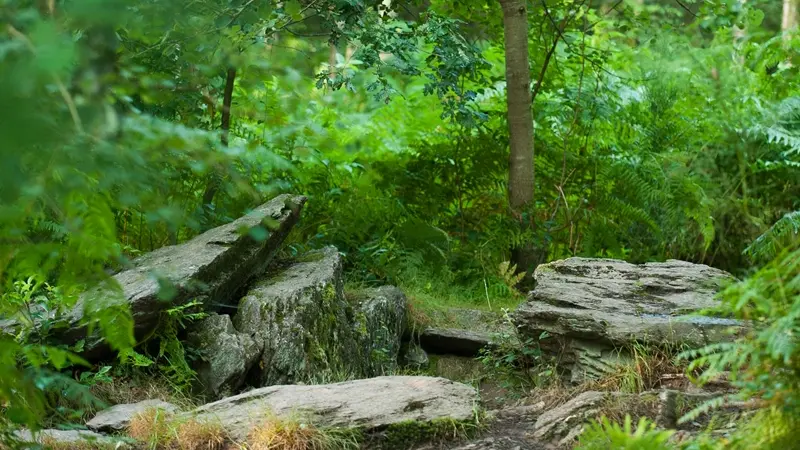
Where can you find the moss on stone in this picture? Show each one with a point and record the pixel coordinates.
(402, 435)
(308, 257)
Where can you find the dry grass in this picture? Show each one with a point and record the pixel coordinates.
(195, 435)
(159, 430)
(296, 434)
(134, 390)
(52, 444)
(645, 372)
(152, 428)
(416, 317)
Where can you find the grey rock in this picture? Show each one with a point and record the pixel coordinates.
(368, 404)
(211, 267)
(593, 307)
(52, 436)
(303, 322)
(227, 355)
(519, 413)
(415, 357)
(380, 320)
(593, 360)
(451, 341)
(563, 423)
(478, 320)
(118, 417)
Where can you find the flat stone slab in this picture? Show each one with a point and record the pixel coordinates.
(68, 438)
(453, 341)
(368, 404)
(611, 301)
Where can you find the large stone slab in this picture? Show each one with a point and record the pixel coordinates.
(77, 439)
(591, 306)
(368, 404)
(227, 355)
(300, 317)
(211, 267)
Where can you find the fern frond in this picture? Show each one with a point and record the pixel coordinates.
(786, 231)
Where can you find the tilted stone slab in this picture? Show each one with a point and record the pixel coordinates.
(368, 404)
(211, 267)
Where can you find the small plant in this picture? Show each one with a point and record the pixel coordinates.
(517, 358)
(508, 273)
(607, 435)
(89, 378)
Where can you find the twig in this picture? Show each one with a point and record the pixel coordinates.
(686, 8)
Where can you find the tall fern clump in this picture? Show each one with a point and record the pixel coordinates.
(765, 364)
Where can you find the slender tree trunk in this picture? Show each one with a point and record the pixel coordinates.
(225, 125)
(789, 18)
(521, 176)
(332, 60)
(739, 34)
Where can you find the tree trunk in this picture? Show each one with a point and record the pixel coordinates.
(739, 35)
(331, 60)
(789, 18)
(521, 175)
(215, 180)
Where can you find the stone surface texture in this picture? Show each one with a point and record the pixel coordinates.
(227, 355)
(117, 417)
(380, 321)
(368, 404)
(301, 319)
(211, 267)
(595, 309)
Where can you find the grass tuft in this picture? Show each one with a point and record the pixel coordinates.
(151, 428)
(296, 434)
(195, 435)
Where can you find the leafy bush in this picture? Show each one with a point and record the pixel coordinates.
(763, 364)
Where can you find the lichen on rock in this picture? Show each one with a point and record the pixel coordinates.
(303, 322)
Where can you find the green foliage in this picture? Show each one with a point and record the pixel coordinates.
(405, 435)
(782, 234)
(517, 360)
(607, 435)
(763, 364)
